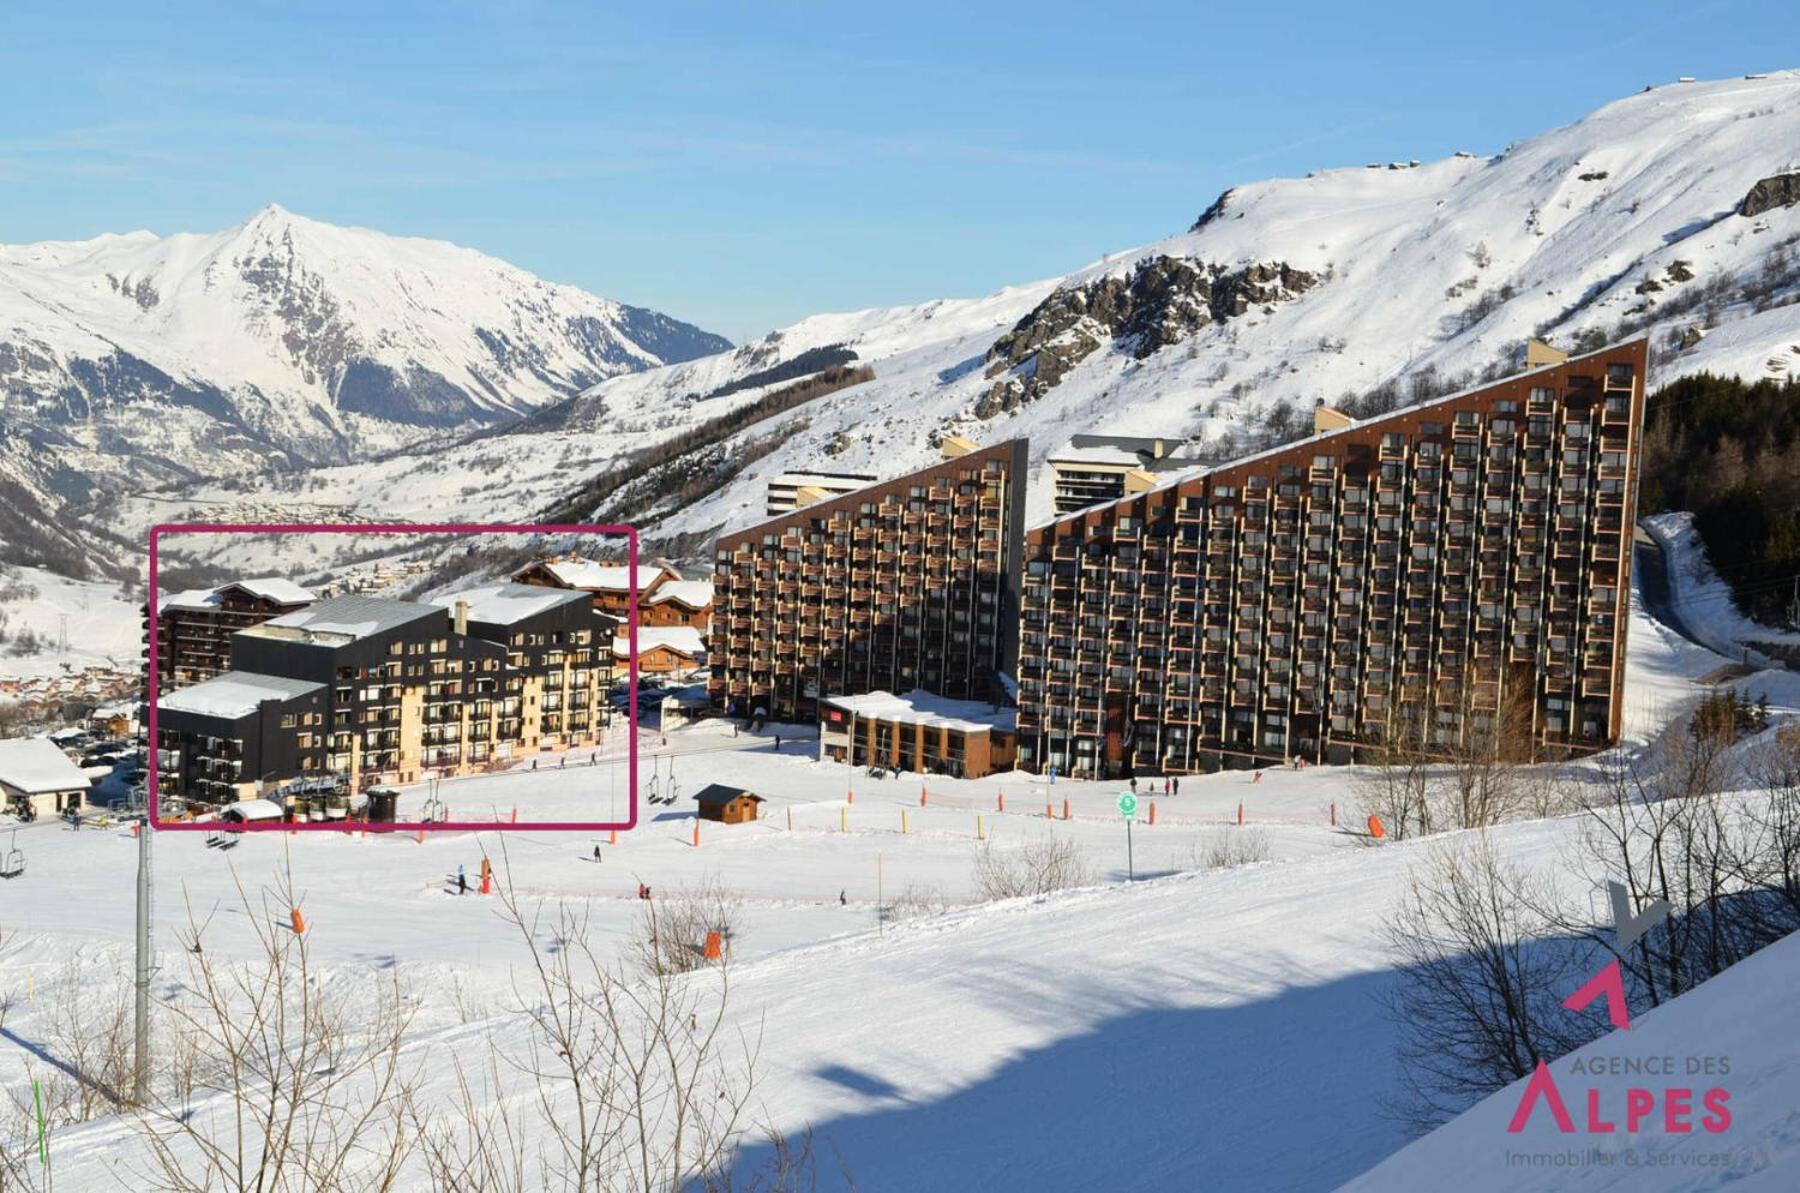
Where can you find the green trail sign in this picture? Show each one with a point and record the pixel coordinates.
(1127, 804)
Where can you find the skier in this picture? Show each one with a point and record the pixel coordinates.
(534, 764)
(1255, 778)
(1175, 786)
(596, 851)
(842, 902)
(1134, 785)
(778, 743)
(462, 880)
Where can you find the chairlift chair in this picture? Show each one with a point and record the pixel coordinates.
(14, 865)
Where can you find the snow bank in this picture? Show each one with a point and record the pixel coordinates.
(1739, 1025)
(1702, 600)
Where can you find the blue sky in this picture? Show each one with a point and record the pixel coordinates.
(743, 165)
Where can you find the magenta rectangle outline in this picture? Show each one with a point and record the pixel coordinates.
(463, 528)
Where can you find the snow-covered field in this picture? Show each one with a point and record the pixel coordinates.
(100, 625)
(1201, 1025)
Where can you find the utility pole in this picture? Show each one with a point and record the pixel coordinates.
(140, 1081)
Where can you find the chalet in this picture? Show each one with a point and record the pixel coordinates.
(610, 584)
(665, 650)
(679, 603)
(727, 805)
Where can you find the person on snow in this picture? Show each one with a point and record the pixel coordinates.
(1175, 786)
(1134, 785)
(462, 880)
(842, 902)
(596, 851)
(778, 743)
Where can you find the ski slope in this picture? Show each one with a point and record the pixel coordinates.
(1201, 1025)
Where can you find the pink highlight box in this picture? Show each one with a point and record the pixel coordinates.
(629, 533)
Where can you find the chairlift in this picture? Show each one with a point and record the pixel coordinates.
(14, 866)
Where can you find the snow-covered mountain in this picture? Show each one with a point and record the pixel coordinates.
(284, 341)
(299, 333)
(1674, 213)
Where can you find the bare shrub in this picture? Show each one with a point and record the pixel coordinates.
(915, 901)
(291, 1084)
(1396, 783)
(1224, 849)
(1044, 865)
(672, 928)
(1478, 999)
(638, 1082)
(88, 1030)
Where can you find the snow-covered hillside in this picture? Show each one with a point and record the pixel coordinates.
(132, 360)
(300, 333)
(1313, 288)
(50, 624)
(1207, 1025)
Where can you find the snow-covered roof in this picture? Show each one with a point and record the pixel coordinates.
(607, 577)
(824, 480)
(37, 766)
(695, 594)
(679, 638)
(274, 588)
(254, 809)
(345, 618)
(714, 794)
(503, 602)
(919, 707)
(235, 694)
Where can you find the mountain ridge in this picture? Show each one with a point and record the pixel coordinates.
(284, 342)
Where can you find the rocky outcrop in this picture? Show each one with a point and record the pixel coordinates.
(1777, 190)
(1214, 212)
(1162, 301)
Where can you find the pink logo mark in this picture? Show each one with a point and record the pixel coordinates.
(1610, 981)
(1541, 1085)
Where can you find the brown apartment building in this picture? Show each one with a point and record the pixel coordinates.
(1451, 565)
(194, 628)
(910, 583)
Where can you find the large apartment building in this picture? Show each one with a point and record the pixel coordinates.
(1450, 565)
(364, 690)
(910, 583)
(194, 628)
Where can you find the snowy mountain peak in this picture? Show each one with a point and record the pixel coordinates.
(297, 332)
(282, 339)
